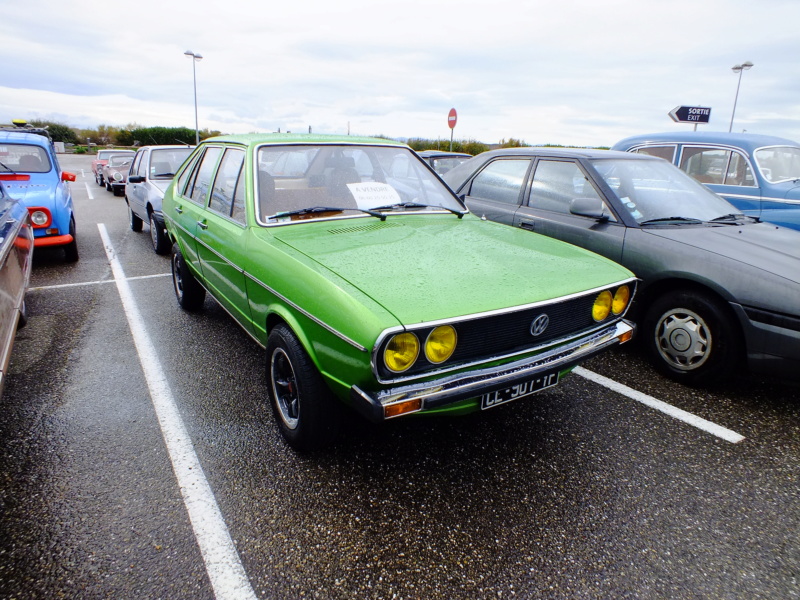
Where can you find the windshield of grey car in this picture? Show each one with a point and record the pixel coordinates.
(346, 178)
(779, 163)
(655, 189)
(164, 162)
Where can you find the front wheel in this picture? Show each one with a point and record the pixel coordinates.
(98, 177)
(71, 249)
(158, 236)
(188, 291)
(307, 413)
(135, 222)
(691, 338)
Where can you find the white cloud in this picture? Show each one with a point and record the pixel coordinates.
(572, 72)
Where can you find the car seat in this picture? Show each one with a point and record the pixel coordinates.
(31, 163)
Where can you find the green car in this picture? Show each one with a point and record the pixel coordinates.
(371, 285)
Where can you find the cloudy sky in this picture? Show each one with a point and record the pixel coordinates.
(572, 72)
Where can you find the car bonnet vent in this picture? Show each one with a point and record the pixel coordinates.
(362, 228)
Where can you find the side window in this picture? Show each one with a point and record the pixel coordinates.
(557, 183)
(739, 171)
(706, 165)
(225, 182)
(501, 180)
(136, 162)
(665, 152)
(198, 186)
(141, 168)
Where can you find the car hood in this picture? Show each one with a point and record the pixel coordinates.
(161, 184)
(32, 193)
(763, 246)
(428, 267)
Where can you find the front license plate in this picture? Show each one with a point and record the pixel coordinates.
(520, 390)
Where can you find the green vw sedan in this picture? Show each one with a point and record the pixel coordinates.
(371, 285)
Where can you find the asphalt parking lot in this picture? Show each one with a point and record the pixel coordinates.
(140, 460)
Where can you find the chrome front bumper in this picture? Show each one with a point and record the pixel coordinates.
(470, 384)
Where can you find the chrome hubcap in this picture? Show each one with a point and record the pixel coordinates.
(683, 339)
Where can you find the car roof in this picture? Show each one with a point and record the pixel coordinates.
(561, 152)
(257, 139)
(442, 153)
(748, 141)
(163, 146)
(22, 137)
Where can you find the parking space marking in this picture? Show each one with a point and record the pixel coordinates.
(98, 282)
(89, 192)
(672, 411)
(224, 568)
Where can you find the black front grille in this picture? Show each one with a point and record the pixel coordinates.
(509, 333)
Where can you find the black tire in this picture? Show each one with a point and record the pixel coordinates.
(98, 177)
(159, 237)
(23, 316)
(188, 291)
(691, 338)
(71, 249)
(307, 413)
(118, 191)
(136, 222)
(109, 187)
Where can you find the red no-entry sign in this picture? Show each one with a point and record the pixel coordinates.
(451, 118)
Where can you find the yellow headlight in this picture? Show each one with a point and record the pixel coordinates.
(401, 352)
(440, 344)
(621, 299)
(602, 306)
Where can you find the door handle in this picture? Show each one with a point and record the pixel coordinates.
(179, 210)
(526, 225)
(202, 224)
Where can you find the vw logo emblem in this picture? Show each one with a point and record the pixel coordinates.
(539, 324)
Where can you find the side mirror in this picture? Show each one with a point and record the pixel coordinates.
(136, 179)
(65, 176)
(589, 207)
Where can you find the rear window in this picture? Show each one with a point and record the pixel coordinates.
(23, 158)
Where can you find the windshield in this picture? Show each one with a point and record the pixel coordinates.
(23, 158)
(164, 162)
(655, 189)
(345, 178)
(779, 163)
(119, 160)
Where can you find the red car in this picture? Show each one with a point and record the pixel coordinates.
(102, 158)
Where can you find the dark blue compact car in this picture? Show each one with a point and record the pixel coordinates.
(758, 174)
(31, 174)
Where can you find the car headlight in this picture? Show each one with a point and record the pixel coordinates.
(118, 176)
(441, 344)
(40, 217)
(401, 352)
(621, 299)
(602, 306)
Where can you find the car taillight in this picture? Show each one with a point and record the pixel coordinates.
(14, 177)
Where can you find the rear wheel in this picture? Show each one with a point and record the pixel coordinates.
(136, 222)
(71, 249)
(691, 338)
(307, 414)
(158, 236)
(188, 291)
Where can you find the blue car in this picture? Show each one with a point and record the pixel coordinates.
(758, 174)
(31, 174)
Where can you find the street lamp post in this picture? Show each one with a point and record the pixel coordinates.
(738, 69)
(195, 57)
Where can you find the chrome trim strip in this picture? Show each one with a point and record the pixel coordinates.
(305, 313)
(472, 383)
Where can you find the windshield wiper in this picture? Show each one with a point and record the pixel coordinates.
(678, 220)
(319, 209)
(732, 218)
(419, 205)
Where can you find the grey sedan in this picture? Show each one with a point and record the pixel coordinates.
(719, 290)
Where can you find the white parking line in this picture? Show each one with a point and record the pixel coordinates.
(676, 413)
(88, 191)
(224, 568)
(98, 282)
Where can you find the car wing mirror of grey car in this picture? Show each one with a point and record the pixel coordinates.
(589, 207)
(136, 179)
